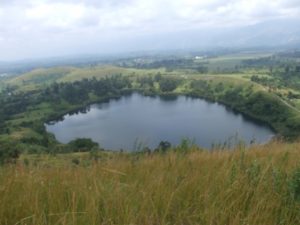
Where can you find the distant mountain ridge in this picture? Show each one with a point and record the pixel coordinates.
(272, 33)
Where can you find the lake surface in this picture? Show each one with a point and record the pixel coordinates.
(135, 120)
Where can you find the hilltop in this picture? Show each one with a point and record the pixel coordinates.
(184, 185)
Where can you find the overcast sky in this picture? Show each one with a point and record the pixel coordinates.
(43, 28)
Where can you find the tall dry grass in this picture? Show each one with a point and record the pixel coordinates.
(254, 186)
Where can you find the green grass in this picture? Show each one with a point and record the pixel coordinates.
(255, 186)
(229, 61)
(40, 78)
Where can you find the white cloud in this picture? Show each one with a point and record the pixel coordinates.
(141, 14)
(72, 22)
(60, 15)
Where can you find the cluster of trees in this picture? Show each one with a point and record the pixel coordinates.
(169, 64)
(289, 75)
(165, 84)
(78, 91)
(146, 81)
(202, 88)
(12, 104)
(200, 85)
(284, 74)
(266, 81)
(260, 62)
(168, 84)
(201, 69)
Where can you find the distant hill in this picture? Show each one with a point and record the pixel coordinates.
(278, 34)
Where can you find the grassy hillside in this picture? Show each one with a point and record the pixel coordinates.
(39, 78)
(260, 185)
(229, 62)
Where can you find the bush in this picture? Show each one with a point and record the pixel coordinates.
(76, 161)
(163, 146)
(9, 152)
(83, 145)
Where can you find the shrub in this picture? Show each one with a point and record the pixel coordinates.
(163, 146)
(9, 152)
(76, 161)
(82, 144)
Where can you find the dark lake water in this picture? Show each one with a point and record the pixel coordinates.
(136, 119)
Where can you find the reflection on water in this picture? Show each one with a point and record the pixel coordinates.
(134, 121)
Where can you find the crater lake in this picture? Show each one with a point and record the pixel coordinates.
(136, 121)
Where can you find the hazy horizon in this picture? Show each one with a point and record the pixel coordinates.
(43, 28)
